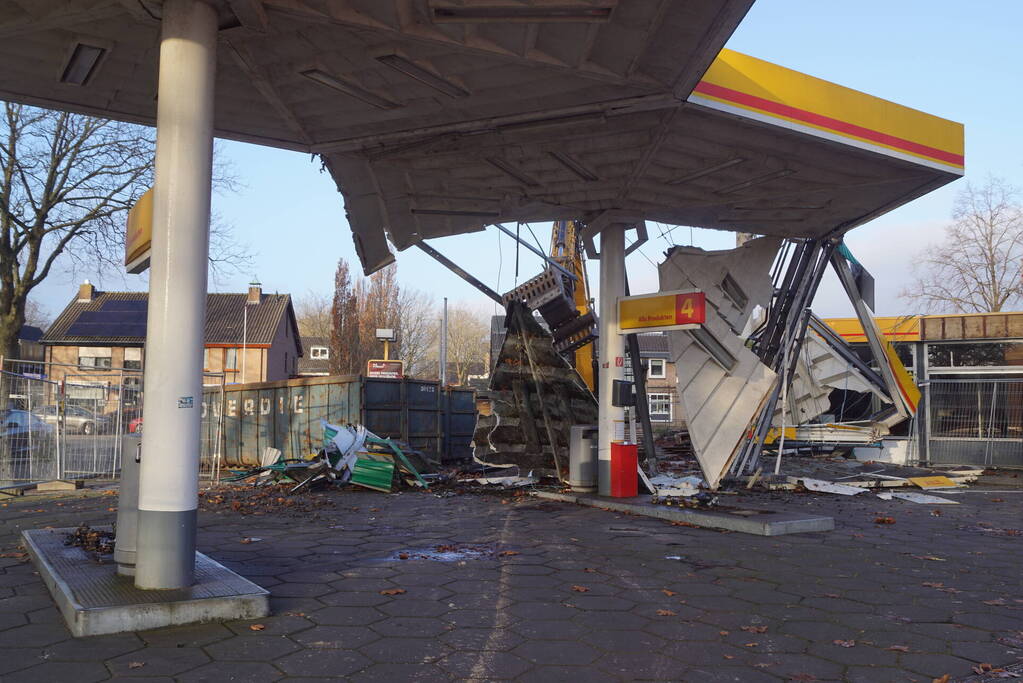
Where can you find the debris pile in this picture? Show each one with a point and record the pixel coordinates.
(350, 455)
(91, 540)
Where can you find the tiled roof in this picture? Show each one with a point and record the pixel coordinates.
(225, 318)
(653, 343)
(307, 364)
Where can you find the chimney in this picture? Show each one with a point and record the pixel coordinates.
(86, 292)
(255, 293)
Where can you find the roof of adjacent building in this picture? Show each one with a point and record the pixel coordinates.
(225, 320)
(307, 365)
(653, 344)
(30, 333)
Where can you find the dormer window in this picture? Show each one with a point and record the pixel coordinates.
(319, 352)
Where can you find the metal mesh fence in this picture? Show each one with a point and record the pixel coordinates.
(82, 426)
(975, 421)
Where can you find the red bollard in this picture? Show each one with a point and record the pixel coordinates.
(624, 468)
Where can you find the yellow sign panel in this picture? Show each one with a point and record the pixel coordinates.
(662, 311)
(893, 328)
(138, 234)
(933, 482)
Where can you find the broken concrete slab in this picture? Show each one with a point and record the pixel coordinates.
(748, 521)
(95, 600)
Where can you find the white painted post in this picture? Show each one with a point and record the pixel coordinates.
(169, 471)
(612, 347)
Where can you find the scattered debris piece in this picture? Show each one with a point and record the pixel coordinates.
(884, 520)
(250, 539)
(755, 629)
(580, 589)
(257, 627)
(936, 482)
(136, 665)
(923, 498)
(898, 648)
(666, 613)
(830, 487)
(392, 591)
(668, 592)
(91, 540)
(844, 643)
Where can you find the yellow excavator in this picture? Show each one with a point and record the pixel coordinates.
(567, 250)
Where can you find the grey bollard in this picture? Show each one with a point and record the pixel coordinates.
(128, 510)
(582, 458)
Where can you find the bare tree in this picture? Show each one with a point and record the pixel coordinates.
(978, 267)
(417, 331)
(66, 183)
(313, 313)
(468, 341)
(344, 330)
(37, 315)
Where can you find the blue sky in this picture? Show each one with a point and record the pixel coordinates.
(959, 60)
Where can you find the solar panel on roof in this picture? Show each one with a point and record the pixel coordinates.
(125, 305)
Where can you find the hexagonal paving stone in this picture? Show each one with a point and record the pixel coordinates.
(94, 648)
(405, 650)
(635, 665)
(415, 627)
(404, 606)
(216, 672)
(249, 648)
(35, 635)
(158, 661)
(195, 635)
(401, 672)
(484, 665)
(55, 672)
(336, 637)
(346, 616)
(557, 652)
(323, 663)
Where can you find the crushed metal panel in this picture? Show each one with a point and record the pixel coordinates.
(512, 430)
(720, 395)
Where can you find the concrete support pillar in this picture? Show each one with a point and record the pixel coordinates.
(169, 471)
(612, 346)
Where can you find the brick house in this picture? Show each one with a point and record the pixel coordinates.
(250, 337)
(661, 381)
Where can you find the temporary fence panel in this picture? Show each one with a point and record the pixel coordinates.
(86, 424)
(30, 447)
(975, 421)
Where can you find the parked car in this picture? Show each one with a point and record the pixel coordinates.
(78, 420)
(135, 426)
(19, 428)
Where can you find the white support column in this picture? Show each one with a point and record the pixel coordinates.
(612, 346)
(169, 472)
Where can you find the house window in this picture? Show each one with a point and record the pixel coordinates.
(230, 359)
(133, 359)
(655, 368)
(94, 357)
(320, 352)
(660, 407)
(205, 359)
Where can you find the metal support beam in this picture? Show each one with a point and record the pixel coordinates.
(457, 270)
(642, 401)
(612, 347)
(557, 266)
(169, 470)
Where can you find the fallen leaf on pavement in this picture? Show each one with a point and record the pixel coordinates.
(751, 644)
(580, 589)
(136, 665)
(943, 679)
(884, 520)
(665, 613)
(728, 656)
(507, 553)
(995, 603)
(898, 648)
(723, 633)
(932, 558)
(832, 595)
(844, 643)
(668, 592)
(402, 556)
(257, 627)
(392, 591)
(590, 570)
(755, 629)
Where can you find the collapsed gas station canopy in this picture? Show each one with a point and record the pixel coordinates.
(438, 117)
